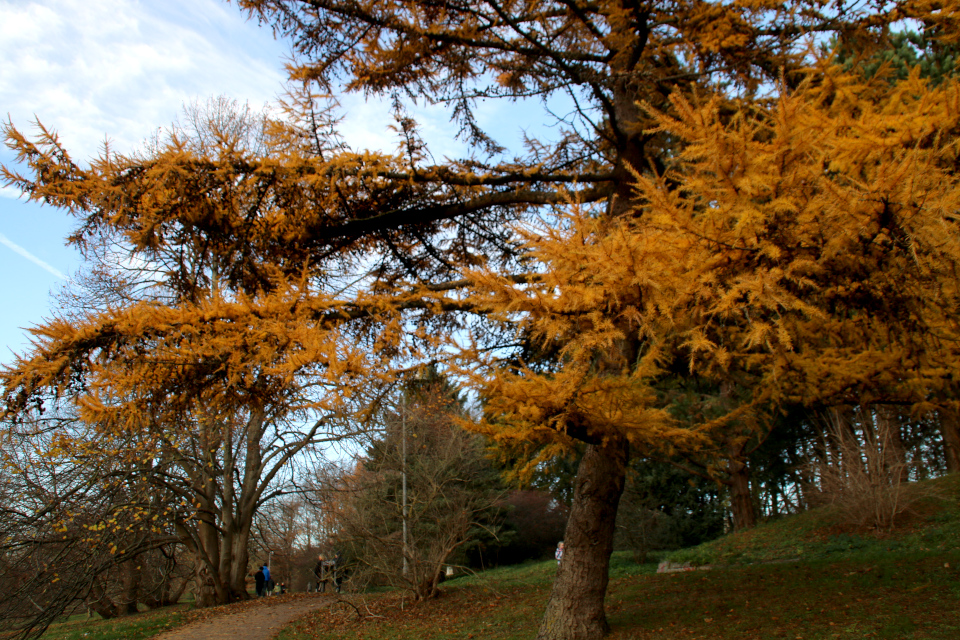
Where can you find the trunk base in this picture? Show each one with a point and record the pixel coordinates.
(575, 610)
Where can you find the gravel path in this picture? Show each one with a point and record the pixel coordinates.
(252, 622)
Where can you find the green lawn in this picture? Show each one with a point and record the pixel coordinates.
(138, 627)
(801, 577)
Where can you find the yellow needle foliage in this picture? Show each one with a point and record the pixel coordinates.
(804, 249)
(280, 351)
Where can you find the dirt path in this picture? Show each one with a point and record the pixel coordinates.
(259, 620)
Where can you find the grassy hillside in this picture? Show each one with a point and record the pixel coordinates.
(932, 522)
(138, 627)
(802, 577)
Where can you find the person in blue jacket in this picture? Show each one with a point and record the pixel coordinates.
(268, 583)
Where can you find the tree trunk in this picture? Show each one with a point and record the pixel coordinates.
(132, 575)
(165, 595)
(205, 590)
(575, 610)
(236, 573)
(741, 499)
(950, 430)
(100, 602)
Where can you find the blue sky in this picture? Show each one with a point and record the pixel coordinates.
(118, 69)
(98, 69)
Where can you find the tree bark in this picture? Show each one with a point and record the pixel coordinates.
(100, 602)
(205, 590)
(741, 498)
(132, 575)
(950, 431)
(575, 610)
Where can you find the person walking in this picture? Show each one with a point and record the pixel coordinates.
(559, 553)
(337, 572)
(320, 570)
(267, 580)
(260, 581)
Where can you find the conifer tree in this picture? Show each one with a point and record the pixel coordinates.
(422, 494)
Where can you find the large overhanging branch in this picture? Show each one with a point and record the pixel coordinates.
(340, 234)
(60, 362)
(487, 24)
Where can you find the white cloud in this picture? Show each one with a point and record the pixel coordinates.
(9, 192)
(120, 68)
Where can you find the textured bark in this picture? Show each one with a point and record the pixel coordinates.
(132, 576)
(204, 589)
(165, 595)
(950, 430)
(100, 603)
(741, 498)
(575, 610)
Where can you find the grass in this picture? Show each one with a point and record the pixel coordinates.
(905, 595)
(932, 523)
(138, 627)
(802, 577)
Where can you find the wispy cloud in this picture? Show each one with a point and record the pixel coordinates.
(13, 246)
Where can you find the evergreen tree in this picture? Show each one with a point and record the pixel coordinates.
(422, 496)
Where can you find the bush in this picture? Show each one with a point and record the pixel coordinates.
(865, 477)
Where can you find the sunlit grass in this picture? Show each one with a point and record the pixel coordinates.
(801, 577)
(137, 627)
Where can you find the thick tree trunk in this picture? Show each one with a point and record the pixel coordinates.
(741, 498)
(205, 588)
(165, 595)
(100, 602)
(236, 572)
(575, 610)
(132, 575)
(950, 430)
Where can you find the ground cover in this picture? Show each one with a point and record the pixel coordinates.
(902, 595)
(931, 522)
(139, 627)
(805, 577)
(148, 624)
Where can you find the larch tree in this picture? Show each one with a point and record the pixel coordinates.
(626, 67)
(146, 358)
(801, 250)
(661, 251)
(620, 64)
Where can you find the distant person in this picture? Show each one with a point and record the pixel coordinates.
(261, 581)
(320, 571)
(267, 580)
(337, 572)
(559, 554)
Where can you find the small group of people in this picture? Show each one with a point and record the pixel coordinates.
(328, 570)
(264, 583)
